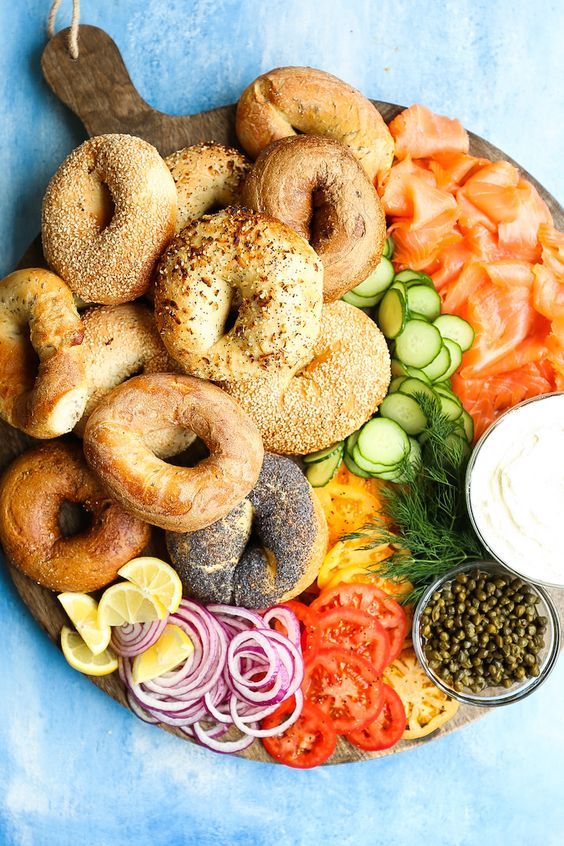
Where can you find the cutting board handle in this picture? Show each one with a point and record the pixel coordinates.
(98, 89)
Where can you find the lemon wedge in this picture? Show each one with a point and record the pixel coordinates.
(128, 603)
(156, 578)
(172, 648)
(83, 611)
(81, 658)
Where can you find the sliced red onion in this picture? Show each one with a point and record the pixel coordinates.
(134, 638)
(240, 671)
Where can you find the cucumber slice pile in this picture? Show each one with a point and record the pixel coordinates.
(321, 466)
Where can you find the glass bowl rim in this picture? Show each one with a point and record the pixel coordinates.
(510, 696)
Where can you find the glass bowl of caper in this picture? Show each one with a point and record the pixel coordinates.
(485, 636)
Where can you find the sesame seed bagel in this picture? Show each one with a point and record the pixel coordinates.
(317, 187)
(267, 550)
(207, 176)
(340, 387)
(119, 342)
(118, 445)
(32, 491)
(288, 100)
(108, 212)
(238, 259)
(38, 319)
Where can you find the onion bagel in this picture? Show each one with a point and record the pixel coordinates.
(119, 341)
(317, 187)
(268, 549)
(248, 261)
(38, 320)
(336, 392)
(207, 176)
(108, 212)
(289, 100)
(32, 491)
(118, 444)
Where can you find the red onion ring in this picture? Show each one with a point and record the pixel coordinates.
(134, 638)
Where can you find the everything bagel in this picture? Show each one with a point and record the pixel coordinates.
(268, 549)
(289, 100)
(119, 445)
(207, 176)
(108, 212)
(245, 260)
(38, 319)
(337, 391)
(317, 187)
(32, 492)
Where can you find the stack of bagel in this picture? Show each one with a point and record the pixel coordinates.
(192, 308)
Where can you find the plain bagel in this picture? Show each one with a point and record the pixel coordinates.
(243, 260)
(265, 551)
(289, 100)
(32, 491)
(38, 320)
(118, 445)
(207, 176)
(339, 389)
(317, 187)
(108, 213)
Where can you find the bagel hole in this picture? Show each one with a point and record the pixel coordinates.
(103, 207)
(323, 220)
(31, 359)
(74, 519)
(196, 452)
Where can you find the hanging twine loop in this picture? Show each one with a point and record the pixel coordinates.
(73, 32)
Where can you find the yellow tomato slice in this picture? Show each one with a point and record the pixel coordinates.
(349, 502)
(427, 708)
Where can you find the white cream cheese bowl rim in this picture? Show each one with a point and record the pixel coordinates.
(491, 697)
(468, 484)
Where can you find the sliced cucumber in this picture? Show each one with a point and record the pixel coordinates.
(370, 466)
(383, 441)
(424, 300)
(353, 467)
(322, 454)
(389, 246)
(415, 373)
(412, 387)
(392, 313)
(455, 357)
(397, 368)
(379, 280)
(406, 411)
(418, 344)
(360, 302)
(468, 423)
(406, 276)
(448, 393)
(321, 473)
(456, 329)
(439, 366)
(395, 384)
(414, 458)
(401, 287)
(451, 409)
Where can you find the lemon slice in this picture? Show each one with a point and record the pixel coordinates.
(83, 611)
(171, 649)
(155, 577)
(128, 603)
(82, 658)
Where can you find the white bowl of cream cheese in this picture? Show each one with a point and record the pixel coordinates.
(515, 489)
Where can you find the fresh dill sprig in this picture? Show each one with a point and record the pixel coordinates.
(424, 518)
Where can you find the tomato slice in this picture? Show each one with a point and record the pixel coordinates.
(386, 729)
(374, 601)
(307, 743)
(345, 686)
(309, 620)
(357, 631)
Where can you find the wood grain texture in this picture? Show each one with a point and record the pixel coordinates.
(98, 89)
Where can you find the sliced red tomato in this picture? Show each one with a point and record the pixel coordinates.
(309, 623)
(357, 631)
(310, 741)
(386, 729)
(345, 686)
(374, 601)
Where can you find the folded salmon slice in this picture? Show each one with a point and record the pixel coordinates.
(420, 133)
(519, 237)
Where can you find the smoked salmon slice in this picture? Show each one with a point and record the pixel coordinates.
(420, 133)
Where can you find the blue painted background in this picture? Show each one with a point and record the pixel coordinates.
(74, 766)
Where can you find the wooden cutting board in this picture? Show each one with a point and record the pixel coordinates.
(98, 89)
